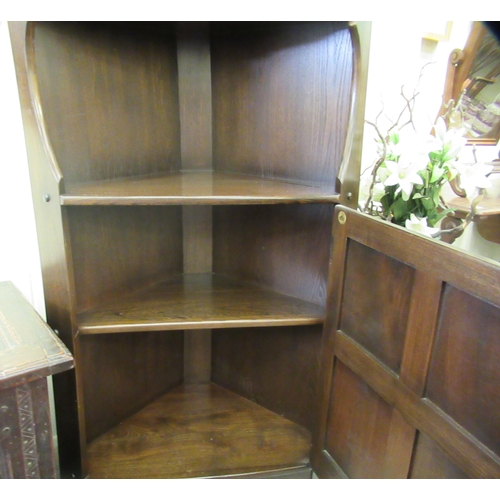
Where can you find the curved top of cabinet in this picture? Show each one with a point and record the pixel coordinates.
(116, 101)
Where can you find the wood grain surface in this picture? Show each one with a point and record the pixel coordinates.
(194, 188)
(196, 431)
(29, 348)
(198, 301)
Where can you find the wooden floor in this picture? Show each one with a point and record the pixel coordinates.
(198, 431)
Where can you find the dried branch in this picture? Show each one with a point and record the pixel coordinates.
(470, 217)
(410, 103)
(377, 165)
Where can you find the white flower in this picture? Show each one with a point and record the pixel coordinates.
(382, 173)
(419, 225)
(411, 143)
(451, 141)
(473, 176)
(364, 189)
(404, 173)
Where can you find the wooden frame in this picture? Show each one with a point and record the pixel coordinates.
(201, 160)
(410, 339)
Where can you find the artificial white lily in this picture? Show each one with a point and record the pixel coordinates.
(364, 189)
(408, 141)
(405, 173)
(419, 225)
(451, 141)
(473, 176)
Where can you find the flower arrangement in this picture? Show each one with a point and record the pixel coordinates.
(405, 183)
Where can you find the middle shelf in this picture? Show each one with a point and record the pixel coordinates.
(196, 188)
(197, 301)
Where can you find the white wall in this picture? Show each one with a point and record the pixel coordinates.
(19, 259)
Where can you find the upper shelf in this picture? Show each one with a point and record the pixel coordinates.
(194, 188)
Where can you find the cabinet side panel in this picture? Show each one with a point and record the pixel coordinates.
(431, 462)
(281, 101)
(274, 367)
(55, 260)
(463, 379)
(125, 372)
(110, 99)
(118, 247)
(286, 248)
(359, 421)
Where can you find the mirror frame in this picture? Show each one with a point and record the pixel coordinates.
(459, 65)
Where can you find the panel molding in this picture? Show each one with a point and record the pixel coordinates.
(436, 264)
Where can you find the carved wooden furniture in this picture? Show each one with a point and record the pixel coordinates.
(29, 353)
(184, 178)
(472, 80)
(486, 213)
(411, 352)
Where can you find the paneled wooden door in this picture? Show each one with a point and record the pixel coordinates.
(411, 358)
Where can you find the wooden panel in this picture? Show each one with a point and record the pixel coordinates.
(430, 462)
(423, 317)
(113, 109)
(104, 258)
(29, 349)
(26, 433)
(197, 356)
(277, 368)
(198, 430)
(464, 373)
(195, 98)
(376, 315)
(197, 301)
(125, 372)
(447, 389)
(194, 188)
(281, 101)
(193, 54)
(285, 248)
(45, 178)
(197, 239)
(359, 423)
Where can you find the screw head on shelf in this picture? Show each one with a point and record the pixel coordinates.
(342, 217)
(46, 197)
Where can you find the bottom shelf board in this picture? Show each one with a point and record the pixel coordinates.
(198, 431)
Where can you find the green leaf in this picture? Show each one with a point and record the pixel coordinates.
(394, 137)
(442, 215)
(417, 196)
(399, 209)
(427, 203)
(437, 173)
(435, 197)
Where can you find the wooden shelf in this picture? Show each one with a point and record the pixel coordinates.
(198, 301)
(487, 206)
(194, 188)
(198, 431)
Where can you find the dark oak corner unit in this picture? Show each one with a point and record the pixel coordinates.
(184, 178)
(29, 353)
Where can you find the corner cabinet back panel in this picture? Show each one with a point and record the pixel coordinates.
(281, 101)
(110, 100)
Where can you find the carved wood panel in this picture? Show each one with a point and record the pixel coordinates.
(410, 362)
